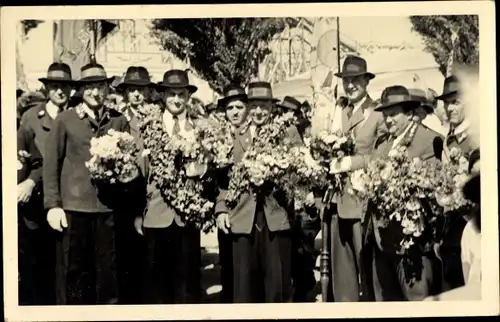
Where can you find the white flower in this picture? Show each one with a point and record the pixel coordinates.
(19, 165)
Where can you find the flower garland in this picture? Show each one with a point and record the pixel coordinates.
(265, 162)
(216, 138)
(404, 209)
(112, 158)
(167, 155)
(450, 179)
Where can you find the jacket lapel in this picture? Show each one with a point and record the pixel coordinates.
(45, 119)
(359, 116)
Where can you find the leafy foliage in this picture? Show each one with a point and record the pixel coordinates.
(221, 51)
(436, 31)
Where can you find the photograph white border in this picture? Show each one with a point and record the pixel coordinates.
(489, 305)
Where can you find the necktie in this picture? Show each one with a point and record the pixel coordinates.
(176, 128)
(350, 109)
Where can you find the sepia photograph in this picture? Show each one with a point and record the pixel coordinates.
(249, 155)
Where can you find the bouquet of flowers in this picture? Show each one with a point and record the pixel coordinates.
(22, 158)
(265, 162)
(113, 158)
(327, 146)
(449, 182)
(167, 157)
(401, 192)
(216, 138)
(304, 176)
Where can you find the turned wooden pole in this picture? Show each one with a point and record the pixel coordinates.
(325, 253)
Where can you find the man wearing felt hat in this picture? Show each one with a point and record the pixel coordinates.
(234, 105)
(262, 270)
(136, 89)
(359, 118)
(425, 111)
(385, 266)
(456, 136)
(81, 213)
(172, 268)
(36, 124)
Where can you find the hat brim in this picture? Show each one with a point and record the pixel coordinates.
(342, 75)
(191, 88)
(124, 85)
(94, 79)
(45, 80)
(262, 98)
(412, 104)
(223, 101)
(443, 96)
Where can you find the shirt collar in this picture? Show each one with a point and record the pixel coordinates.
(83, 110)
(358, 104)
(462, 127)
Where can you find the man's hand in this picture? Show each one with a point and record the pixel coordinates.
(24, 190)
(437, 251)
(130, 177)
(57, 219)
(344, 165)
(138, 225)
(195, 169)
(223, 222)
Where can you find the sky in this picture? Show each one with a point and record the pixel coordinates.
(383, 30)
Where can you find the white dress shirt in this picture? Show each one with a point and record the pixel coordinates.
(52, 110)
(169, 121)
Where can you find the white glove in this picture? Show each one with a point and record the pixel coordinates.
(343, 166)
(138, 225)
(56, 218)
(195, 169)
(223, 222)
(24, 190)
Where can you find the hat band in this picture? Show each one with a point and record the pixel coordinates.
(396, 98)
(58, 74)
(290, 105)
(93, 71)
(354, 68)
(260, 92)
(176, 80)
(234, 92)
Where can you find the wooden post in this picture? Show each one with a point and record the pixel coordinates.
(325, 252)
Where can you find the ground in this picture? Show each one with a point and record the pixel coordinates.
(210, 280)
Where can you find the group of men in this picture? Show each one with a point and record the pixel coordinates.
(80, 243)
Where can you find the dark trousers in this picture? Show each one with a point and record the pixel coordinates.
(451, 252)
(130, 257)
(389, 278)
(172, 273)
(86, 260)
(304, 255)
(36, 263)
(226, 266)
(262, 264)
(345, 252)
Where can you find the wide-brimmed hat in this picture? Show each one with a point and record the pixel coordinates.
(354, 66)
(58, 72)
(396, 95)
(427, 98)
(450, 87)
(232, 92)
(135, 76)
(260, 91)
(93, 73)
(290, 103)
(176, 78)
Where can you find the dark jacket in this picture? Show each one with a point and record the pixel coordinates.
(66, 180)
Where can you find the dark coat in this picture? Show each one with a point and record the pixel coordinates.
(66, 180)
